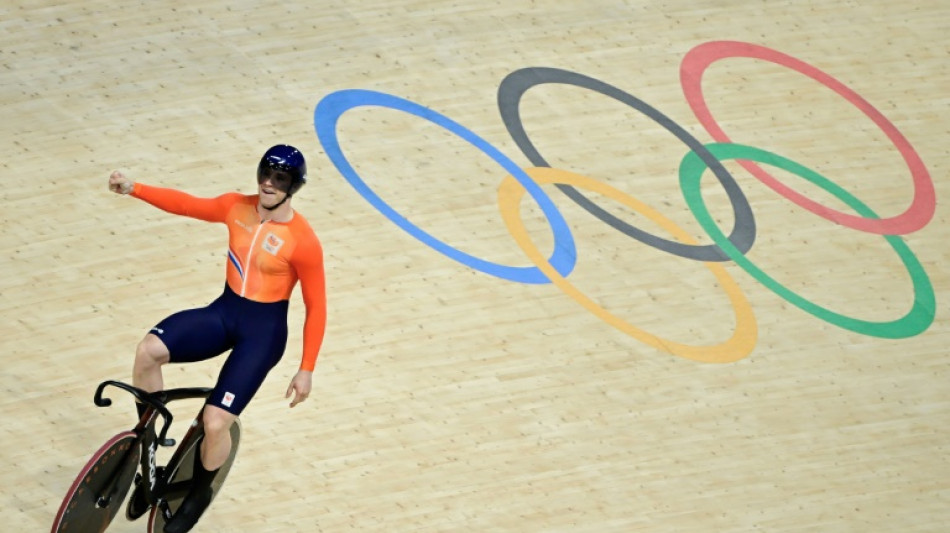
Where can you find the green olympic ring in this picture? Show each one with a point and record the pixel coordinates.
(914, 322)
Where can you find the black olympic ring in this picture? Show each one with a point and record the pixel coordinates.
(514, 86)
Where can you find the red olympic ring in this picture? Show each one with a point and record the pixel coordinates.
(922, 208)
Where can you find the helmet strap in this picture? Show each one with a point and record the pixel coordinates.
(278, 204)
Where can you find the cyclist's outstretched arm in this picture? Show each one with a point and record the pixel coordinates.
(175, 201)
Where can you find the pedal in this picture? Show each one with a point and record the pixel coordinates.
(165, 510)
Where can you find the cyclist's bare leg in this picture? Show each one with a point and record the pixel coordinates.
(214, 451)
(150, 355)
(216, 445)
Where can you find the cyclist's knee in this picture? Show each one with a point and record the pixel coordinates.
(151, 351)
(217, 420)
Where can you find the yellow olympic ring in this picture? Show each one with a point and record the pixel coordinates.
(740, 345)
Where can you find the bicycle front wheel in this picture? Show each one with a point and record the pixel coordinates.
(97, 493)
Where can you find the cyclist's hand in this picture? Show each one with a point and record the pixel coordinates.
(300, 387)
(120, 184)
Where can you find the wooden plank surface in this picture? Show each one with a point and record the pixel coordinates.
(448, 399)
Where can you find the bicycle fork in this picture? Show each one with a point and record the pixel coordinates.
(149, 465)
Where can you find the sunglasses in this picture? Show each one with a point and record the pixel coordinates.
(279, 179)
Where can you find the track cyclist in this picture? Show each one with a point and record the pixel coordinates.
(271, 247)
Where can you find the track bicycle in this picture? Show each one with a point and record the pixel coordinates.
(97, 493)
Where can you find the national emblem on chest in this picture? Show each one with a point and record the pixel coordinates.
(272, 243)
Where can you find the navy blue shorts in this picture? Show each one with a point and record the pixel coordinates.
(255, 332)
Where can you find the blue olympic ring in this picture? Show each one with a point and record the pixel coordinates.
(325, 119)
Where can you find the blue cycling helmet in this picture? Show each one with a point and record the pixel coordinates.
(287, 159)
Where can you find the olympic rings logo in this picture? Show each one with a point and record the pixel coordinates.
(700, 157)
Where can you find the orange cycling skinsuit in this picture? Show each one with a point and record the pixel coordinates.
(265, 260)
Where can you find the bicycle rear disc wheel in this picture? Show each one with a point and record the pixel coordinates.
(111, 468)
(180, 471)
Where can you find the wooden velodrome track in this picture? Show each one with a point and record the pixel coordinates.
(451, 399)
